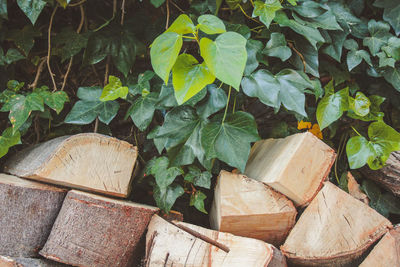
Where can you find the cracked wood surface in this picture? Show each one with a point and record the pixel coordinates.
(334, 230)
(27, 212)
(249, 208)
(93, 230)
(295, 166)
(182, 244)
(86, 161)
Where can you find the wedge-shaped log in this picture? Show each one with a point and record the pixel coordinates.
(249, 208)
(27, 212)
(180, 244)
(295, 166)
(28, 262)
(93, 230)
(334, 230)
(386, 252)
(86, 161)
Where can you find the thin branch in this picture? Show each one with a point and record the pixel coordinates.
(78, 3)
(175, 5)
(38, 72)
(96, 125)
(49, 49)
(122, 12)
(106, 71)
(167, 22)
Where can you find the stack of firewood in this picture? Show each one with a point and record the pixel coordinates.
(253, 214)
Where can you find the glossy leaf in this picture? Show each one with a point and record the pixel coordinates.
(211, 24)
(379, 32)
(266, 10)
(359, 152)
(70, 42)
(198, 178)
(182, 25)
(392, 75)
(197, 200)
(216, 101)
(277, 47)
(390, 13)
(113, 89)
(142, 111)
(55, 100)
(8, 139)
(354, 58)
(165, 198)
(374, 113)
(31, 8)
(253, 47)
(24, 38)
(360, 104)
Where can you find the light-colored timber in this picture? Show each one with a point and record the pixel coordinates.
(28, 262)
(354, 189)
(27, 212)
(86, 161)
(295, 166)
(334, 230)
(180, 244)
(249, 208)
(93, 230)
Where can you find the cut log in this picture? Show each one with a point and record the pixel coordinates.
(334, 230)
(27, 212)
(249, 208)
(386, 252)
(93, 230)
(389, 175)
(28, 262)
(295, 166)
(182, 244)
(354, 189)
(86, 161)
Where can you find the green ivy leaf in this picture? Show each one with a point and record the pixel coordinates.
(379, 32)
(390, 13)
(164, 176)
(157, 3)
(182, 25)
(164, 53)
(392, 75)
(334, 47)
(71, 43)
(3, 9)
(198, 178)
(359, 152)
(189, 77)
(225, 57)
(230, 140)
(210, 24)
(8, 139)
(55, 100)
(393, 48)
(142, 111)
(13, 55)
(113, 90)
(143, 83)
(253, 47)
(277, 47)
(197, 200)
(360, 104)
(326, 21)
(24, 38)
(385, 61)
(266, 10)
(215, 102)
(31, 8)
(374, 113)
(354, 58)
(310, 55)
(331, 107)
(165, 198)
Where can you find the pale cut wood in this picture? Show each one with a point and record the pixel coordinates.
(93, 230)
(386, 252)
(249, 208)
(354, 189)
(27, 212)
(334, 230)
(182, 244)
(86, 161)
(295, 166)
(389, 175)
(28, 262)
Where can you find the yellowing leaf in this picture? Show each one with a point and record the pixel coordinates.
(303, 125)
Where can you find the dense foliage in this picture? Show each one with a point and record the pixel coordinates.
(330, 67)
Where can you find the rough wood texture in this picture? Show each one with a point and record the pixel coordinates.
(334, 230)
(92, 230)
(295, 166)
(249, 208)
(27, 212)
(386, 252)
(28, 262)
(354, 189)
(389, 175)
(182, 244)
(86, 161)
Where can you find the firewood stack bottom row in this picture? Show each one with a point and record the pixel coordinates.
(252, 215)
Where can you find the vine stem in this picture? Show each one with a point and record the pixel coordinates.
(122, 12)
(39, 71)
(227, 103)
(49, 48)
(247, 16)
(299, 54)
(354, 129)
(167, 22)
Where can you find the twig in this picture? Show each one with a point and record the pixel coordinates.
(122, 12)
(78, 3)
(49, 49)
(96, 125)
(175, 5)
(167, 22)
(299, 54)
(38, 72)
(37, 129)
(114, 7)
(107, 70)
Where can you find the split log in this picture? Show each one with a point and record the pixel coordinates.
(249, 208)
(295, 166)
(386, 252)
(355, 190)
(28, 262)
(389, 175)
(182, 244)
(334, 230)
(93, 230)
(86, 161)
(27, 212)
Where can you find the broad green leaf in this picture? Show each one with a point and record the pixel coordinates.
(242, 29)
(165, 198)
(354, 58)
(331, 107)
(253, 47)
(3, 9)
(142, 86)
(335, 46)
(225, 57)
(277, 47)
(198, 178)
(379, 32)
(142, 111)
(8, 139)
(71, 43)
(197, 200)
(393, 48)
(55, 100)
(390, 13)
(89, 93)
(113, 89)
(392, 75)
(310, 56)
(309, 9)
(210, 24)
(157, 3)
(347, 20)
(15, 85)
(360, 104)
(266, 10)
(189, 77)
(12, 55)
(24, 38)
(230, 140)
(351, 44)
(164, 53)
(107, 111)
(374, 113)
(384, 135)
(385, 61)
(167, 99)
(164, 176)
(31, 8)
(182, 25)
(359, 152)
(326, 21)
(216, 101)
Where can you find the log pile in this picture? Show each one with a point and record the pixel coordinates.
(253, 215)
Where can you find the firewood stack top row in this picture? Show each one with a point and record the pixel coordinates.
(252, 215)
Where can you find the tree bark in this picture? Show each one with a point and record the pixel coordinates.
(249, 208)
(92, 230)
(334, 230)
(295, 166)
(86, 161)
(27, 212)
(28, 262)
